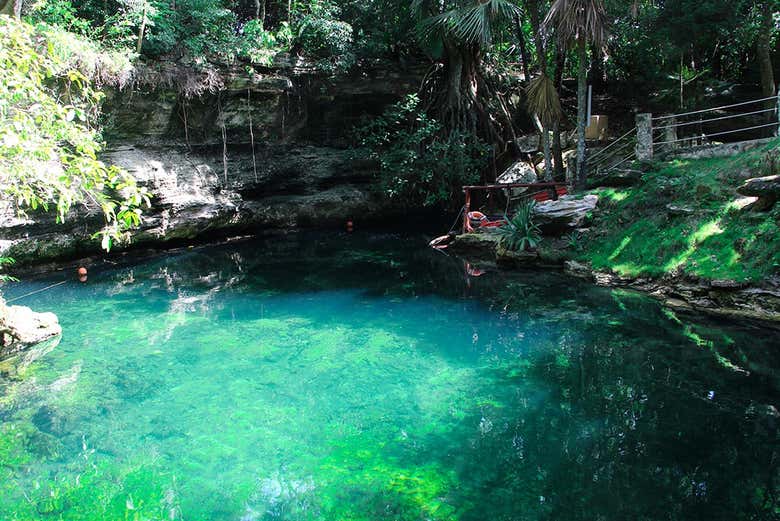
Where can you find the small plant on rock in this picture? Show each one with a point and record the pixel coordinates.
(574, 241)
(520, 232)
(6, 261)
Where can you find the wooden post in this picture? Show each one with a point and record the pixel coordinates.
(644, 137)
(466, 210)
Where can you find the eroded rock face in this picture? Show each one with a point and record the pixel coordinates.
(566, 214)
(288, 164)
(21, 327)
(193, 198)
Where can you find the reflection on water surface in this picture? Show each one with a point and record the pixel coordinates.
(341, 377)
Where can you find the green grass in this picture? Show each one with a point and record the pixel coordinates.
(682, 219)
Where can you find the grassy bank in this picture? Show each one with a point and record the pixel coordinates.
(683, 219)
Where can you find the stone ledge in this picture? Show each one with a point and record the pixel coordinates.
(21, 328)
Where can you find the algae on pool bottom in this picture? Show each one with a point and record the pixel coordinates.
(363, 377)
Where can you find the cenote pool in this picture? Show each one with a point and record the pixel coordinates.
(366, 377)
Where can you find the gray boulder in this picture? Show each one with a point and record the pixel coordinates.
(768, 186)
(565, 214)
(21, 327)
(767, 189)
(528, 144)
(519, 173)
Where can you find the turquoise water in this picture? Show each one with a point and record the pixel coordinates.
(366, 377)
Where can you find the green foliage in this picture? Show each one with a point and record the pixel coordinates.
(6, 261)
(417, 166)
(683, 219)
(473, 23)
(520, 232)
(61, 13)
(322, 35)
(48, 138)
(574, 241)
(259, 46)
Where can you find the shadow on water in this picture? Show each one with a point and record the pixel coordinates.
(367, 377)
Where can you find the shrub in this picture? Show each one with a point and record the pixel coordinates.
(520, 232)
(418, 165)
(323, 36)
(49, 142)
(260, 46)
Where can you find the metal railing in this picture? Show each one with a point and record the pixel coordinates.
(678, 132)
(616, 154)
(697, 126)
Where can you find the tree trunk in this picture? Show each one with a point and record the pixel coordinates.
(557, 150)
(141, 31)
(533, 13)
(764, 52)
(524, 58)
(682, 83)
(11, 8)
(560, 63)
(582, 114)
(541, 56)
(260, 11)
(597, 71)
(548, 171)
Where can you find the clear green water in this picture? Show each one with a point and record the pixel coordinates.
(366, 377)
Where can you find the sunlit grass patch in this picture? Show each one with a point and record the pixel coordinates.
(685, 217)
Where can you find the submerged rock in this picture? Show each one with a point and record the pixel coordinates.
(565, 214)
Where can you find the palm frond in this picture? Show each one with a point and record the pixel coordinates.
(472, 24)
(579, 19)
(543, 100)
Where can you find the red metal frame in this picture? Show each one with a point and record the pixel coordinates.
(560, 189)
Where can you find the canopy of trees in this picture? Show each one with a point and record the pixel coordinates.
(498, 68)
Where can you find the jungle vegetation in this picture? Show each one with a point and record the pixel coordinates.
(497, 69)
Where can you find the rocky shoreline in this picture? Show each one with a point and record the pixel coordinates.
(22, 328)
(727, 298)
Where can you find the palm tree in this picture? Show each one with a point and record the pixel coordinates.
(544, 103)
(580, 22)
(461, 96)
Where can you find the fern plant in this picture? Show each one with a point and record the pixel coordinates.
(520, 232)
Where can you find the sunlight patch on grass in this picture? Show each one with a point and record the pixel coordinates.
(620, 248)
(614, 195)
(698, 237)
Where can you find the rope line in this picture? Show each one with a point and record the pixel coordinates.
(715, 108)
(731, 116)
(36, 291)
(604, 159)
(455, 224)
(618, 140)
(717, 134)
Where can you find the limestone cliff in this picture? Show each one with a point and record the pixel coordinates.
(263, 151)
